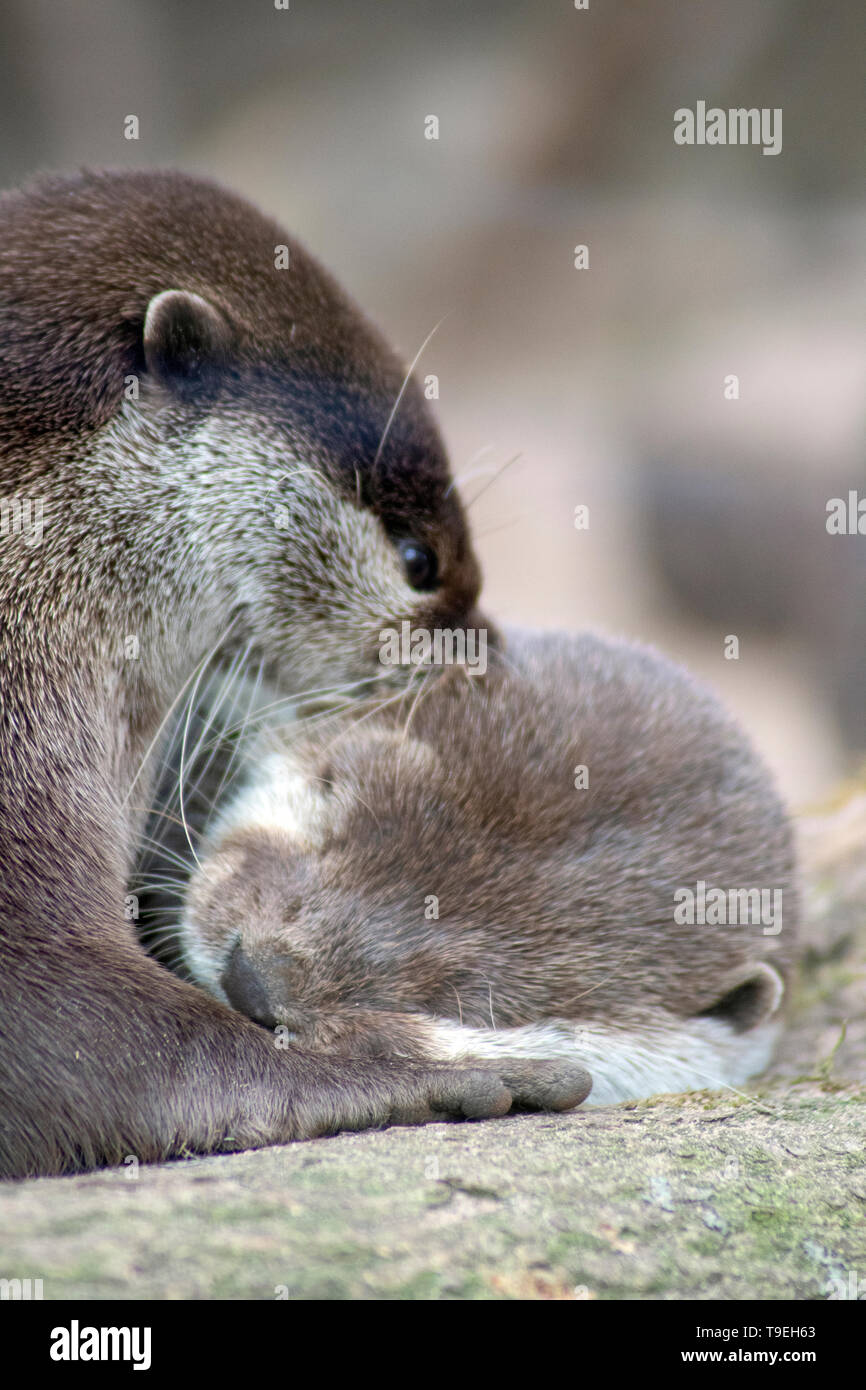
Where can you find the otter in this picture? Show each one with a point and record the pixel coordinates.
(579, 857)
(225, 461)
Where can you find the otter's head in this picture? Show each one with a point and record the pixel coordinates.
(496, 868)
(246, 443)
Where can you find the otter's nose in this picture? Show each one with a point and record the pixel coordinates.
(481, 623)
(245, 989)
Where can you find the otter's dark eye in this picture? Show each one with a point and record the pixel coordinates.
(420, 564)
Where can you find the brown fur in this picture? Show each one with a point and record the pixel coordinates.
(157, 525)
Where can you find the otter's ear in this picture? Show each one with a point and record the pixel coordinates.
(186, 341)
(751, 999)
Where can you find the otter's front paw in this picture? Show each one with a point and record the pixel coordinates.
(355, 1095)
(476, 1089)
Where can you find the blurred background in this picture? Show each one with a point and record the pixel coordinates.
(601, 387)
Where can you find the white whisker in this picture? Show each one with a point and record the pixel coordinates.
(400, 394)
(497, 475)
(202, 665)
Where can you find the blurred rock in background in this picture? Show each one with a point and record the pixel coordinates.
(707, 514)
